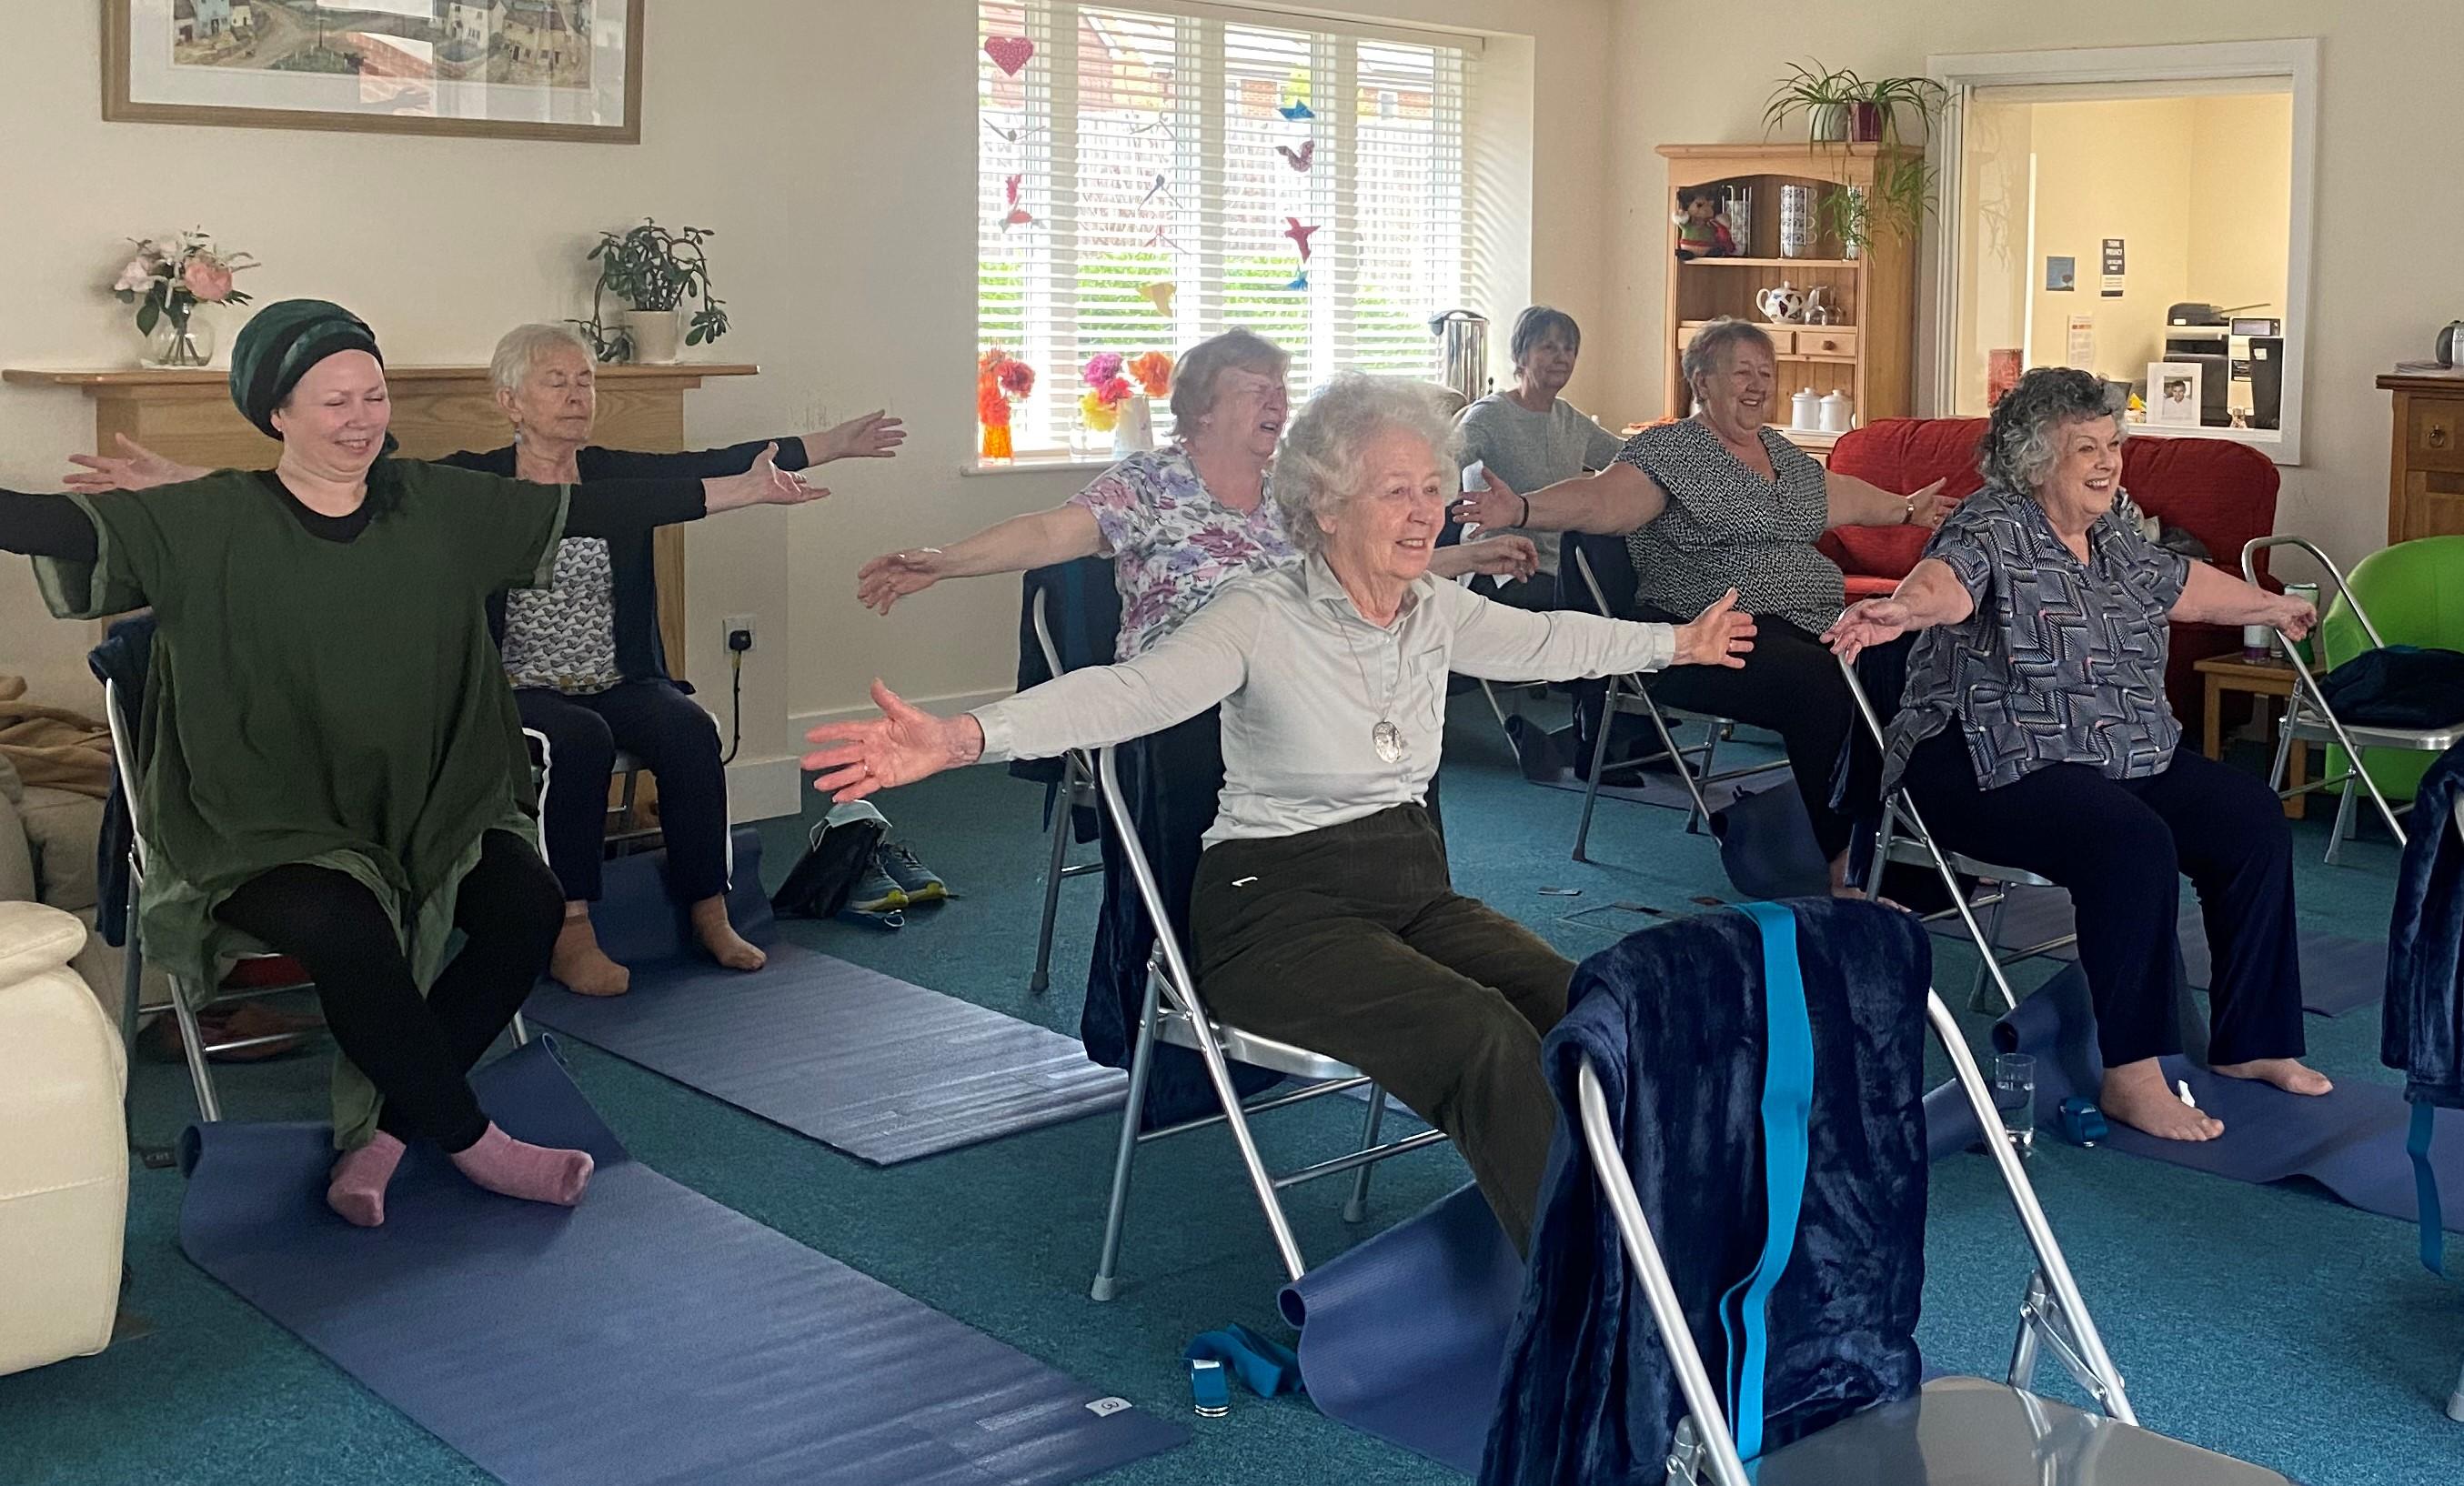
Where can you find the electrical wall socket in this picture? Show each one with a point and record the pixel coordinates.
(733, 623)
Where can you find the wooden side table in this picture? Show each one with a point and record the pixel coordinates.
(2270, 677)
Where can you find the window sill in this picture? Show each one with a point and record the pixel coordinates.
(1058, 460)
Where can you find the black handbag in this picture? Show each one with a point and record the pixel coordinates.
(835, 855)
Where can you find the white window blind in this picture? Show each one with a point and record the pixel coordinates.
(1141, 146)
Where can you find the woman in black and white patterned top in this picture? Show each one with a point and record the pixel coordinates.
(1718, 501)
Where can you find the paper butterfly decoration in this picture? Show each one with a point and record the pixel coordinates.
(1018, 214)
(1300, 159)
(1160, 295)
(1010, 53)
(1300, 281)
(1296, 112)
(1300, 236)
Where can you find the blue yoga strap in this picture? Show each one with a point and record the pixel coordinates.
(1265, 1368)
(2425, 1186)
(1787, 1113)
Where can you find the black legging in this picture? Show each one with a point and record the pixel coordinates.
(1791, 685)
(674, 739)
(417, 1052)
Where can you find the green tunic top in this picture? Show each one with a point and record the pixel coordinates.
(335, 704)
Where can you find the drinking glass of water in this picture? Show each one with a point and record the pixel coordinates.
(2014, 1096)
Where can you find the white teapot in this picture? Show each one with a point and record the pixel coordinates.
(1783, 305)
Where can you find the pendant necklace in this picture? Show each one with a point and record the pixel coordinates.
(1385, 737)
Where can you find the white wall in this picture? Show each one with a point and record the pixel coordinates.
(831, 144)
(2117, 167)
(2387, 230)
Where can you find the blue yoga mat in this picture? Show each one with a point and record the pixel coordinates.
(1402, 1336)
(2350, 1141)
(648, 1336)
(862, 1061)
(2338, 973)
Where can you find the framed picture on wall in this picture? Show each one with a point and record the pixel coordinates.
(510, 69)
(2173, 393)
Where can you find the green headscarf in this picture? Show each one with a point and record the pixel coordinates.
(280, 343)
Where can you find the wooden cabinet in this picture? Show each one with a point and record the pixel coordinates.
(2426, 467)
(1867, 350)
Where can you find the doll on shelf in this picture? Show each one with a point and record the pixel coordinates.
(1702, 230)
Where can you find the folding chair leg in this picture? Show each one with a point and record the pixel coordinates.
(1141, 1059)
(2023, 1351)
(2456, 1400)
(1958, 900)
(2345, 822)
(1976, 1002)
(1060, 813)
(201, 1078)
(520, 1031)
(132, 983)
(1357, 1208)
(1599, 758)
(1700, 810)
(1219, 1072)
(1713, 738)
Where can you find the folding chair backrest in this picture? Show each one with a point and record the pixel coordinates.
(1142, 873)
(123, 760)
(1604, 575)
(1073, 619)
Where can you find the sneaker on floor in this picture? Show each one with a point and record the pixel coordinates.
(919, 883)
(875, 890)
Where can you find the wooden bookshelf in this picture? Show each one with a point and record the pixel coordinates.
(1868, 348)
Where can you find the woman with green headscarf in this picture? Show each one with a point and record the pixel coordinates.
(333, 767)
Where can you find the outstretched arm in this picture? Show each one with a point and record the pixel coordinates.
(1619, 499)
(1497, 642)
(46, 526)
(621, 509)
(1930, 595)
(1856, 502)
(1037, 539)
(2212, 596)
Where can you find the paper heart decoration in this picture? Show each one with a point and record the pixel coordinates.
(1160, 295)
(1300, 159)
(1010, 53)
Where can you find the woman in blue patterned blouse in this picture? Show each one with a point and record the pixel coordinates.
(2035, 732)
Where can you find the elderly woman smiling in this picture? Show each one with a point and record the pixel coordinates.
(2034, 731)
(1323, 913)
(1718, 501)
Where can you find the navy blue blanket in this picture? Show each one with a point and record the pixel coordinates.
(1672, 1020)
(2422, 1029)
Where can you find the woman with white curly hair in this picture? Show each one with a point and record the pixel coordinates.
(1323, 914)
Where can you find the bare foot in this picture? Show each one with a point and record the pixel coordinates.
(581, 965)
(2136, 1095)
(719, 937)
(2288, 1074)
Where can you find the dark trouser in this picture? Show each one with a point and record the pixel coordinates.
(417, 1052)
(1791, 685)
(2121, 847)
(1350, 941)
(674, 739)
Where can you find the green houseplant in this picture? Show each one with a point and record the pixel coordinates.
(652, 270)
(1841, 109)
(1821, 94)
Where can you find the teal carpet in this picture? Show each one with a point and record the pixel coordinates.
(2272, 1323)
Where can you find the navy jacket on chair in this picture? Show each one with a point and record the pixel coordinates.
(1673, 1020)
(2422, 1027)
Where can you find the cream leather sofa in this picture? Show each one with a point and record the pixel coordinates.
(64, 1155)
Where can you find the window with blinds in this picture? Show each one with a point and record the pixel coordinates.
(1150, 176)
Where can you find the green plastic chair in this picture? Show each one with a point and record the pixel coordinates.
(2415, 594)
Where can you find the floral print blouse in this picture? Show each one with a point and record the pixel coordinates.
(1173, 544)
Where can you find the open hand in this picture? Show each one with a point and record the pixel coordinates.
(1868, 622)
(1928, 506)
(765, 484)
(894, 574)
(901, 746)
(1493, 505)
(1497, 556)
(135, 468)
(876, 435)
(1719, 636)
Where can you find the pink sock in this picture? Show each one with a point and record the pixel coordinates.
(357, 1186)
(513, 1168)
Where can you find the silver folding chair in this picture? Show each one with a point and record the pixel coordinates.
(2309, 719)
(188, 998)
(1174, 1016)
(1970, 1430)
(1630, 694)
(1077, 792)
(1903, 837)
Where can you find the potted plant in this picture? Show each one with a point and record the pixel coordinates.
(166, 282)
(1876, 108)
(1821, 94)
(1000, 380)
(652, 270)
(1846, 214)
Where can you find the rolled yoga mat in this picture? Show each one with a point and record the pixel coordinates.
(648, 1336)
(2350, 1141)
(859, 1060)
(2338, 973)
(1402, 1336)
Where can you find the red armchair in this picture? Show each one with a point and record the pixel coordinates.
(2222, 493)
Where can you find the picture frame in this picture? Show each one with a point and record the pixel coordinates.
(562, 70)
(2173, 390)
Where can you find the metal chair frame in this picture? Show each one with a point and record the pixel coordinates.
(1631, 693)
(1904, 837)
(1077, 792)
(2309, 719)
(1174, 1013)
(187, 1000)
(2053, 1315)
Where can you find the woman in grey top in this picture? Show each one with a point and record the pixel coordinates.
(1718, 501)
(2034, 731)
(1532, 437)
(1323, 913)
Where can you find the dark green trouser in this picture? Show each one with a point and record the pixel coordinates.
(1350, 941)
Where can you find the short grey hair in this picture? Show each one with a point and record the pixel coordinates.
(1195, 381)
(1320, 469)
(522, 347)
(2022, 440)
(1707, 353)
(1535, 324)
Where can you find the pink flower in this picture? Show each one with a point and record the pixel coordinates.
(134, 277)
(208, 280)
(1101, 367)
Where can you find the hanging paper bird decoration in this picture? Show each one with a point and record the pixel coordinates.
(1018, 214)
(1159, 187)
(1300, 281)
(1300, 235)
(1013, 136)
(1159, 294)
(1010, 53)
(1296, 112)
(1300, 159)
